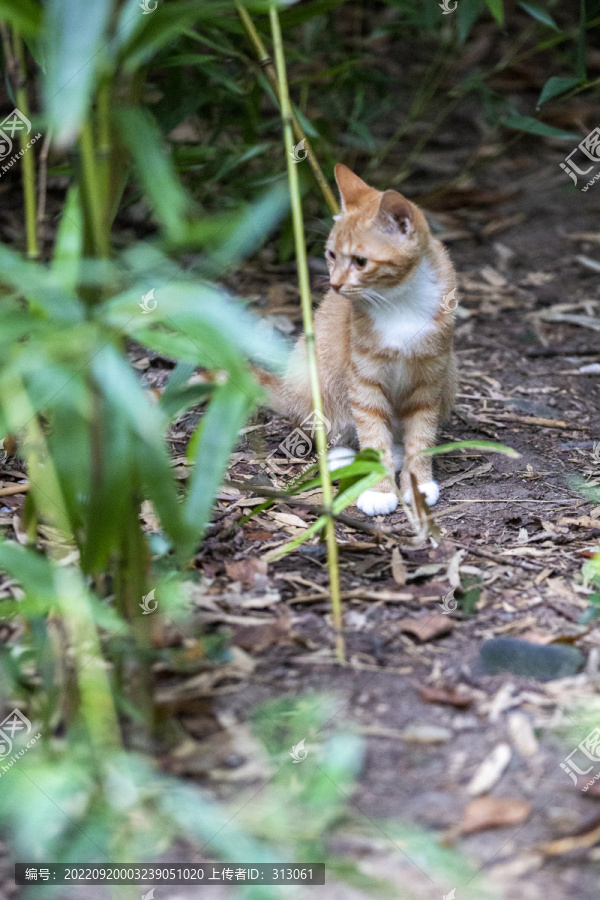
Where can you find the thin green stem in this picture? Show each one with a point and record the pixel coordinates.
(27, 159)
(267, 64)
(104, 147)
(307, 316)
(93, 198)
(581, 68)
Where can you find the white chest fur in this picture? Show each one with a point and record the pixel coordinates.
(412, 306)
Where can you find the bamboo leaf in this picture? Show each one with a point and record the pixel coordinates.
(218, 432)
(556, 86)
(468, 11)
(301, 13)
(68, 246)
(45, 293)
(534, 126)
(75, 39)
(540, 14)
(496, 7)
(140, 36)
(473, 445)
(155, 169)
(24, 16)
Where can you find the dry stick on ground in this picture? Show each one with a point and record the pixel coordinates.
(267, 64)
(309, 333)
(497, 557)
(384, 532)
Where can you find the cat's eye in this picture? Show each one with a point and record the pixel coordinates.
(330, 255)
(359, 261)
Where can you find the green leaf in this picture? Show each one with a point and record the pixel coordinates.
(473, 445)
(468, 11)
(45, 293)
(140, 36)
(218, 430)
(178, 395)
(75, 37)
(253, 225)
(200, 324)
(137, 438)
(239, 233)
(496, 8)
(540, 14)
(556, 86)
(155, 169)
(24, 16)
(534, 126)
(30, 569)
(359, 476)
(181, 399)
(68, 246)
(301, 13)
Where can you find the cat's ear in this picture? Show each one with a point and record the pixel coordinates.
(350, 185)
(395, 214)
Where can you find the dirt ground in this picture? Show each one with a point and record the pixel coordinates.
(517, 529)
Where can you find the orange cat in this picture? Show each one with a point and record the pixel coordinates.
(384, 339)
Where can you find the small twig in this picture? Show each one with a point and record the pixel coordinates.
(497, 558)
(380, 596)
(562, 351)
(384, 533)
(14, 489)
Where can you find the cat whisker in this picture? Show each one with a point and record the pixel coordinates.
(377, 299)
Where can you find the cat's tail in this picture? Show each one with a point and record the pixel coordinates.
(275, 389)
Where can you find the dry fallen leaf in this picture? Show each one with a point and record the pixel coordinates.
(255, 638)
(426, 629)
(522, 734)
(245, 570)
(493, 812)
(453, 573)
(566, 845)
(287, 520)
(490, 771)
(398, 568)
(454, 697)
(259, 535)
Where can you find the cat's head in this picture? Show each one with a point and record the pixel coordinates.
(377, 240)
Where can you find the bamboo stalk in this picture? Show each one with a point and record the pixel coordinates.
(307, 316)
(15, 61)
(104, 147)
(93, 199)
(267, 64)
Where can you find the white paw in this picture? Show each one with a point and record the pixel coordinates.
(377, 503)
(431, 491)
(339, 457)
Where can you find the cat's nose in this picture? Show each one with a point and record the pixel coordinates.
(337, 286)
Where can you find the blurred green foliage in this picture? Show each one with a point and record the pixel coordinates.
(114, 84)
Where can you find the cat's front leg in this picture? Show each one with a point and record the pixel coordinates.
(372, 417)
(419, 434)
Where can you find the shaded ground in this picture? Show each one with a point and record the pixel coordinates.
(524, 529)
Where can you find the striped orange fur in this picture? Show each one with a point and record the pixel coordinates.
(384, 336)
